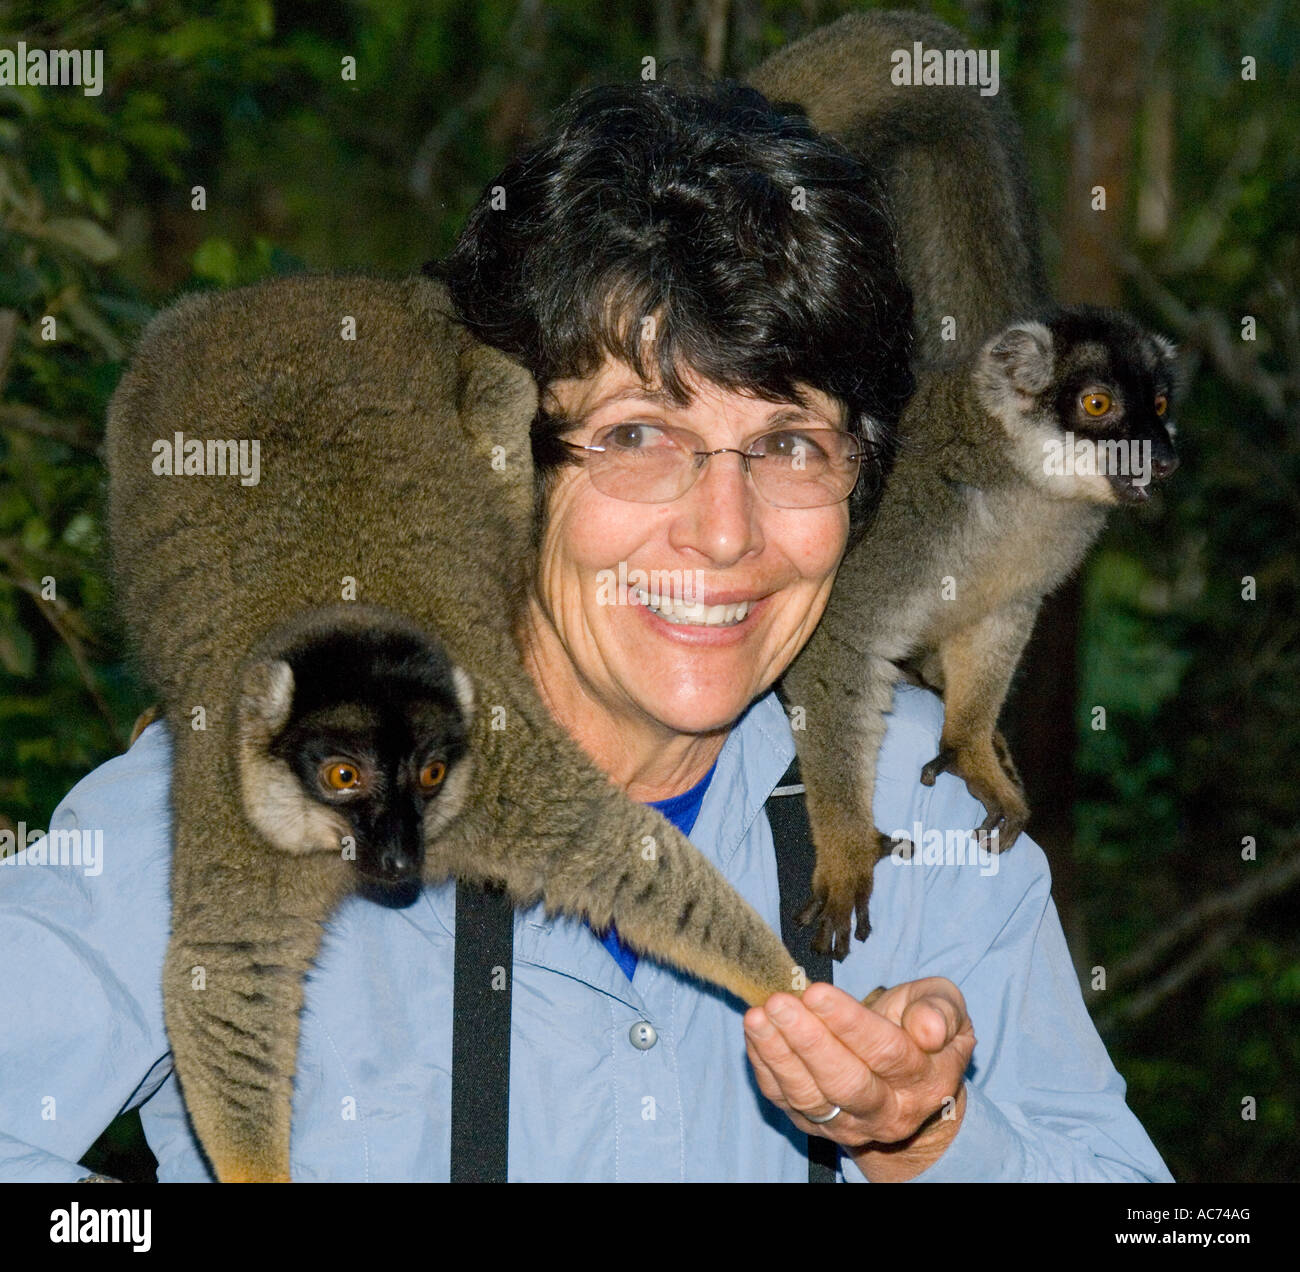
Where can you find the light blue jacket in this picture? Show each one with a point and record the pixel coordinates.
(83, 1039)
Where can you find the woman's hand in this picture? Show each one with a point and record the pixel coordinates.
(895, 1069)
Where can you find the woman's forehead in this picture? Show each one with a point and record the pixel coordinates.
(615, 384)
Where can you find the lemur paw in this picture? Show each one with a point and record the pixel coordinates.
(992, 779)
(841, 888)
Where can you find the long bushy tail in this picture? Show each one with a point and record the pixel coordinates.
(548, 824)
(233, 992)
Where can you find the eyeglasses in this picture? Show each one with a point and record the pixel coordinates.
(657, 463)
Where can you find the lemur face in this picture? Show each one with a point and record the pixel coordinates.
(1085, 398)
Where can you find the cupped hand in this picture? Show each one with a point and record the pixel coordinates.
(894, 1069)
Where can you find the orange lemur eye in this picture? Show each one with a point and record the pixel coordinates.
(1096, 404)
(432, 774)
(340, 775)
(1162, 404)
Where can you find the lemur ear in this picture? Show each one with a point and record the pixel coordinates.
(494, 397)
(1022, 357)
(265, 699)
(1163, 356)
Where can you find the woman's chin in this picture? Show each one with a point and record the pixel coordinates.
(696, 716)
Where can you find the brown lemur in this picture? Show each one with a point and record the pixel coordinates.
(323, 743)
(988, 506)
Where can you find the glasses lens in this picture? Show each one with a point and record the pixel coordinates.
(657, 463)
(643, 463)
(805, 468)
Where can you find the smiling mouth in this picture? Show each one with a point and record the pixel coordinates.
(673, 610)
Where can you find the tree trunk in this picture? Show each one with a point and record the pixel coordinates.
(1105, 79)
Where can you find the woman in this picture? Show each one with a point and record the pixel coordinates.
(686, 274)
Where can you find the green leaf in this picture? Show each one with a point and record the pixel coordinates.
(17, 650)
(81, 235)
(36, 535)
(80, 532)
(216, 259)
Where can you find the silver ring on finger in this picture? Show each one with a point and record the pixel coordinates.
(821, 1121)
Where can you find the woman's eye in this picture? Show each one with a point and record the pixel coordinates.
(634, 436)
(1096, 404)
(793, 444)
(799, 447)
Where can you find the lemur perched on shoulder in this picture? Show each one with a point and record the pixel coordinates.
(1019, 438)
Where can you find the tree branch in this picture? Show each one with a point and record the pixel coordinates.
(1223, 912)
(28, 419)
(1172, 981)
(1208, 331)
(70, 630)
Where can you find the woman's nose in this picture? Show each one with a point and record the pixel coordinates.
(721, 508)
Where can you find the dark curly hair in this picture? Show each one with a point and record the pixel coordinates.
(765, 252)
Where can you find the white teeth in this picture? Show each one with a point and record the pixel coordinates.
(696, 615)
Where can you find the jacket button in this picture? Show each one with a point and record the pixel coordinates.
(643, 1035)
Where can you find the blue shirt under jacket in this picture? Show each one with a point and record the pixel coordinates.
(82, 1024)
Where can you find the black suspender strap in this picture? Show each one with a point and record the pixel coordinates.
(480, 1035)
(480, 1046)
(788, 817)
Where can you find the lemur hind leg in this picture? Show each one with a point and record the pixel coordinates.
(837, 758)
(977, 664)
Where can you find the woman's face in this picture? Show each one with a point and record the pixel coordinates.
(720, 537)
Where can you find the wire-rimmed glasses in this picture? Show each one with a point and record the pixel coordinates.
(657, 463)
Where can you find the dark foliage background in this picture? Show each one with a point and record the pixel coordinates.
(1187, 952)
